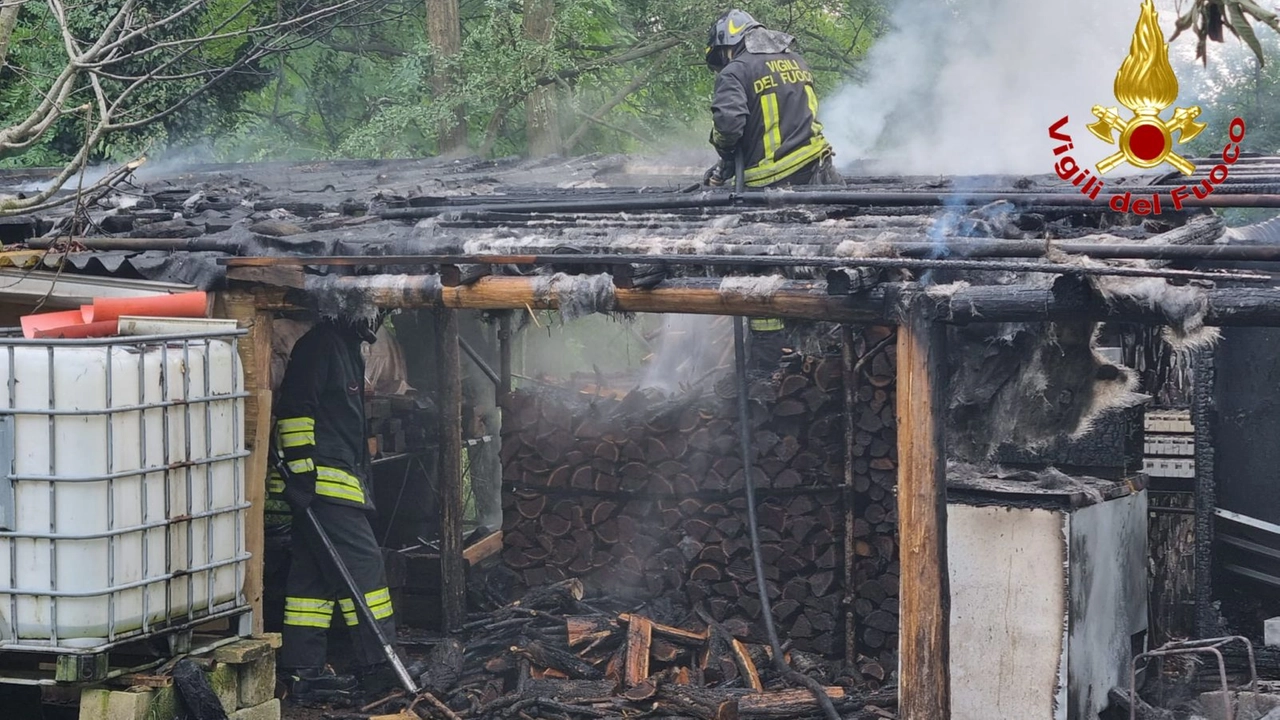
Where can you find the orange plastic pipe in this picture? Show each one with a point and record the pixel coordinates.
(193, 304)
(34, 325)
(104, 328)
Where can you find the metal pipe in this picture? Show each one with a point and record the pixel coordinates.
(844, 198)
(748, 254)
(195, 244)
(480, 363)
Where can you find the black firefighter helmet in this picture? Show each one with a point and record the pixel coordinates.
(726, 33)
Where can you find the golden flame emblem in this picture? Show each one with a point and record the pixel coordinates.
(1147, 86)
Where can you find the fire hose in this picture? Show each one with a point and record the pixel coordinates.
(766, 606)
(744, 437)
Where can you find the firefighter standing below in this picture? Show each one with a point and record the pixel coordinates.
(766, 110)
(320, 433)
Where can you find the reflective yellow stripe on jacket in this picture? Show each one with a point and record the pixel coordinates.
(772, 127)
(767, 324)
(296, 432)
(277, 510)
(338, 484)
(768, 172)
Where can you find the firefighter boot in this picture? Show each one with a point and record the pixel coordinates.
(319, 686)
(378, 680)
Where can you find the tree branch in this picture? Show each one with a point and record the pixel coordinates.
(618, 98)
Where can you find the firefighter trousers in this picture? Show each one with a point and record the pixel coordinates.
(314, 588)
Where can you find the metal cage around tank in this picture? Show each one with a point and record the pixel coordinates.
(173, 560)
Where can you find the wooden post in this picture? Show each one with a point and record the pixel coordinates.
(453, 578)
(848, 361)
(925, 596)
(255, 357)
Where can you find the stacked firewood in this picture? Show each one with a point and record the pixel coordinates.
(875, 537)
(642, 497)
(554, 655)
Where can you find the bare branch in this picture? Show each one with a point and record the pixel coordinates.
(101, 77)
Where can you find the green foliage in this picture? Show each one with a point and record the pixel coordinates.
(1208, 18)
(367, 89)
(351, 98)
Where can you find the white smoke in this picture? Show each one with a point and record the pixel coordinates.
(972, 86)
(691, 350)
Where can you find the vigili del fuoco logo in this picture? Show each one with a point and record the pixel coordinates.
(1146, 86)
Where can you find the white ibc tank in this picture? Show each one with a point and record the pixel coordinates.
(123, 510)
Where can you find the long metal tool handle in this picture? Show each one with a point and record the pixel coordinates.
(357, 597)
(739, 172)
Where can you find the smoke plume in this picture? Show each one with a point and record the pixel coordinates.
(972, 87)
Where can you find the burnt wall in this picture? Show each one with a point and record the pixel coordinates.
(1247, 403)
(644, 496)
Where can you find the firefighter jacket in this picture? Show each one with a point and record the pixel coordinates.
(765, 103)
(320, 428)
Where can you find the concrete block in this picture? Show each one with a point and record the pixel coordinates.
(1271, 631)
(1246, 705)
(257, 681)
(276, 640)
(115, 705)
(164, 704)
(266, 711)
(243, 651)
(225, 680)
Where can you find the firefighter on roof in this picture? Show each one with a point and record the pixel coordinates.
(766, 109)
(765, 106)
(320, 432)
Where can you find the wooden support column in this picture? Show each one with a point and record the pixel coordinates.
(453, 578)
(255, 357)
(925, 596)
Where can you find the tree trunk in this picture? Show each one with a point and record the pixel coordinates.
(8, 19)
(444, 31)
(542, 121)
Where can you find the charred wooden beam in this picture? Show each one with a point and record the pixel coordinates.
(808, 300)
(599, 263)
(672, 201)
(463, 274)
(922, 517)
(796, 299)
(847, 281)
(632, 276)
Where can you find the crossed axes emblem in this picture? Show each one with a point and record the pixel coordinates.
(1145, 139)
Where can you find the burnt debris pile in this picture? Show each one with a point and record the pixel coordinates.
(560, 651)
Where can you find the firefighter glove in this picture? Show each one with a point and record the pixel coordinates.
(300, 490)
(714, 176)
